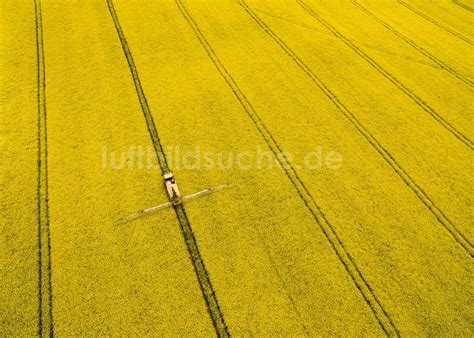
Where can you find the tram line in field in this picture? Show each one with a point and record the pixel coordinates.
(456, 234)
(367, 292)
(202, 274)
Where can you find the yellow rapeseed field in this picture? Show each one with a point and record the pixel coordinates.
(339, 133)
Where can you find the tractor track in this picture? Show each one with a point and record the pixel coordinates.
(366, 291)
(364, 44)
(45, 289)
(434, 22)
(419, 192)
(412, 43)
(276, 268)
(202, 274)
(407, 91)
(460, 4)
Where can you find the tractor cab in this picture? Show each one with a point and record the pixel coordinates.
(172, 188)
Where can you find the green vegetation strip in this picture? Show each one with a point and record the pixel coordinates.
(191, 244)
(387, 156)
(333, 238)
(45, 293)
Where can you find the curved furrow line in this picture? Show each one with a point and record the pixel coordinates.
(412, 43)
(198, 263)
(407, 91)
(275, 265)
(427, 201)
(435, 22)
(45, 289)
(366, 45)
(327, 228)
